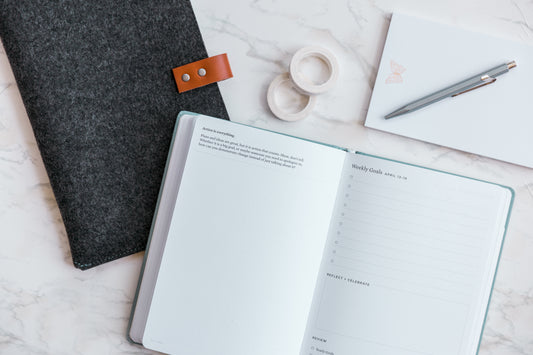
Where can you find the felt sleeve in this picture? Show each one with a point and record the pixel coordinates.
(96, 81)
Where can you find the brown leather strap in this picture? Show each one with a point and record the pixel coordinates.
(206, 71)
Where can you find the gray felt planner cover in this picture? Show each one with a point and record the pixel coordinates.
(96, 80)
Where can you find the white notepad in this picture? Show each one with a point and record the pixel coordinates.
(421, 57)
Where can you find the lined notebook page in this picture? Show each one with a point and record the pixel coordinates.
(410, 261)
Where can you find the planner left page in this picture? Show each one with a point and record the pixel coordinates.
(245, 243)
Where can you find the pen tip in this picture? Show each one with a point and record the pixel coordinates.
(398, 112)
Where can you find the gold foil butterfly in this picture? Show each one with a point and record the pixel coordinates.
(396, 76)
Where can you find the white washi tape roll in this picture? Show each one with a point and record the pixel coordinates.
(306, 85)
(286, 115)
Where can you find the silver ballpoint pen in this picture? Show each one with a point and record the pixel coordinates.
(477, 81)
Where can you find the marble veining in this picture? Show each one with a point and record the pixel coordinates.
(49, 307)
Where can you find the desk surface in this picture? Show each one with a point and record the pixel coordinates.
(48, 306)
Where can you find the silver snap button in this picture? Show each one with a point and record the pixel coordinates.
(185, 77)
(202, 72)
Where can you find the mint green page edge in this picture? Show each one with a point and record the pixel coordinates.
(504, 233)
(182, 113)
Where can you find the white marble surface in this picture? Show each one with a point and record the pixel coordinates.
(49, 307)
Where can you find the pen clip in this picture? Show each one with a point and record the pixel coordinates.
(486, 81)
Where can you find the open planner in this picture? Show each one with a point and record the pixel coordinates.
(269, 244)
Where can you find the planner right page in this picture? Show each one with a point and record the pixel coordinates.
(410, 261)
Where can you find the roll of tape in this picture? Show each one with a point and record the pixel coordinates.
(284, 79)
(306, 85)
